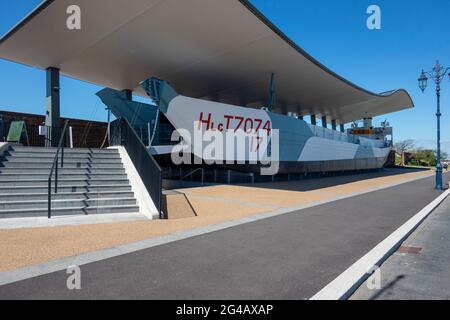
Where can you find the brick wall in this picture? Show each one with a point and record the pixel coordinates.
(86, 134)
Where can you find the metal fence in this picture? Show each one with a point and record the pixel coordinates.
(162, 134)
(83, 133)
(45, 136)
(122, 134)
(37, 136)
(326, 133)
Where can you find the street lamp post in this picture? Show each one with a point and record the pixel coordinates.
(437, 75)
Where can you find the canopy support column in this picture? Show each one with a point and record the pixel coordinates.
(333, 124)
(313, 120)
(324, 121)
(128, 94)
(271, 93)
(342, 127)
(52, 113)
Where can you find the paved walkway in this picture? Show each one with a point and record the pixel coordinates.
(420, 268)
(291, 256)
(29, 246)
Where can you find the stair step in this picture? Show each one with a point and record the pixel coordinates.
(40, 165)
(28, 159)
(66, 195)
(63, 182)
(73, 150)
(21, 213)
(63, 189)
(65, 203)
(67, 155)
(19, 171)
(93, 181)
(61, 175)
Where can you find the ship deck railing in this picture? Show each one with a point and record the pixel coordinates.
(335, 135)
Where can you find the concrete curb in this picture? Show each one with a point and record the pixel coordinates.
(347, 282)
(24, 273)
(67, 221)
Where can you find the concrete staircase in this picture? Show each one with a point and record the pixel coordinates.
(93, 181)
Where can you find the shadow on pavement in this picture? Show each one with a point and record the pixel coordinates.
(389, 286)
(327, 182)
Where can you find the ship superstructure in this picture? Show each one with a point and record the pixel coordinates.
(301, 147)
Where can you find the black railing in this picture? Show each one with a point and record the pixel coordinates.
(122, 134)
(54, 168)
(190, 174)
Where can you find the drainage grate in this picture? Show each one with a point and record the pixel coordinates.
(409, 250)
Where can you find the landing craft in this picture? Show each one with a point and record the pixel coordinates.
(220, 66)
(301, 147)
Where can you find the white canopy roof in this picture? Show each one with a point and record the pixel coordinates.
(211, 49)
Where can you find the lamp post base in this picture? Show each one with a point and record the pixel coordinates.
(439, 185)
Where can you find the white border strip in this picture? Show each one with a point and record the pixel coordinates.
(345, 284)
(144, 201)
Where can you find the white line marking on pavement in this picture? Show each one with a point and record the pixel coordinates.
(347, 282)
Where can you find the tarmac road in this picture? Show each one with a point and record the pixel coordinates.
(291, 256)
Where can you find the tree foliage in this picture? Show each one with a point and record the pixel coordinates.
(426, 157)
(404, 146)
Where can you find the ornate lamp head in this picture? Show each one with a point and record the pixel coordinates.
(423, 81)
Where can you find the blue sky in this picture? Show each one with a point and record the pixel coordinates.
(414, 35)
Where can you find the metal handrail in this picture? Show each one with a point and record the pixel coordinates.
(55, 169)
(135, 135)
(194, 171)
